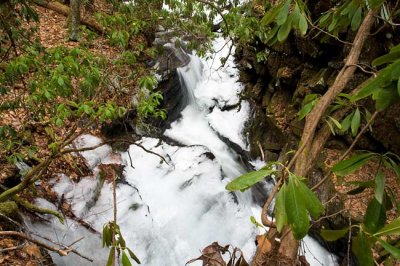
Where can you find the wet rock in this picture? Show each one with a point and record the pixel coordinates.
(171, 52)
(173, 102)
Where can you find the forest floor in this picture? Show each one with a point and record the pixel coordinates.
(52, 32)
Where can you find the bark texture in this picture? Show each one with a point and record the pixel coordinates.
(74, 20)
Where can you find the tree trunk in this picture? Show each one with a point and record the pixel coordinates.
(289, 245)
(64, 10)
(74, 20)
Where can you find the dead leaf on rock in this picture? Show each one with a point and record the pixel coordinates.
(33, 251)
(263, 244)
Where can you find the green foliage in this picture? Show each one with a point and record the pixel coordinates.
(112, 237)
(362, 249)
(333, 235)
(347, 166)
(385, 87)
(282, 18)
(299, 202)
(348, 14)
(294, 202)
(149, 100)
(247, 180)
(309, 103)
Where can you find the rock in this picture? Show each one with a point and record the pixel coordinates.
(9, 209)
(173, 101)
(386, 128)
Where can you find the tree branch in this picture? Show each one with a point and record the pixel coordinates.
(64, 10)
(300, 160)
(62, 252)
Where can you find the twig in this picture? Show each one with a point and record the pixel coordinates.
(387, 21)
(111, 142)
(76, 241)
(115, 217)
(219, 11)
(261, 151)
(12, 248)
(364, 70)
(328, 216)
(59, 251)
(325, 32)
(61, 245)
(11, 220)
(264, 211)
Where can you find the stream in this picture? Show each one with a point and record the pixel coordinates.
(168, 212)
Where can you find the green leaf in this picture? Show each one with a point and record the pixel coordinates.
(379, 187)
(337, 124)
(284, 30)
(254, 221)
(303, 25)
(398, 86)
(283, 14)
(59, 122)
(296, 14)
(312, 203)
(110, 256)
(383, 77)
(60, 81)
(391, 249)
(347, 122)
(362, 185)
(133, 256)
(271, 14)
(347, 166)
(356, 20)
(307, 108)
(245, 181)
(333, 235)
(391, 229)
(125, 260)
(107, 235)
(362, 250)
(375, 217)
(280, 212)
(355, 122)
(384, 97)
(374, 3)
(387, 58)
(296, 210)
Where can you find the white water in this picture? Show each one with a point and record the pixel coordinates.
(169, 212)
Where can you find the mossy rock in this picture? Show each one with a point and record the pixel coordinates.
(9, 209)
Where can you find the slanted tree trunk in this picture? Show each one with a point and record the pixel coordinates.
(74, 20)
(308, 148)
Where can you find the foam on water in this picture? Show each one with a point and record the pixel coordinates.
(168, 212)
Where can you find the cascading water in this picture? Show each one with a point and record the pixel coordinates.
(169, 212)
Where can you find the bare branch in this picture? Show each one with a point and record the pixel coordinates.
(111, 142)
(62, 252)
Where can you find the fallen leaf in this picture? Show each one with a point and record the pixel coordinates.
(33, 251)
(263, 244)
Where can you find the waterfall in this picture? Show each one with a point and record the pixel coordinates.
(168, 212)
(189, 76)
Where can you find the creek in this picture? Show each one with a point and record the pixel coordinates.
(169, 211)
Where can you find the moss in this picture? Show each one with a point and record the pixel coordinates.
(9, 209)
